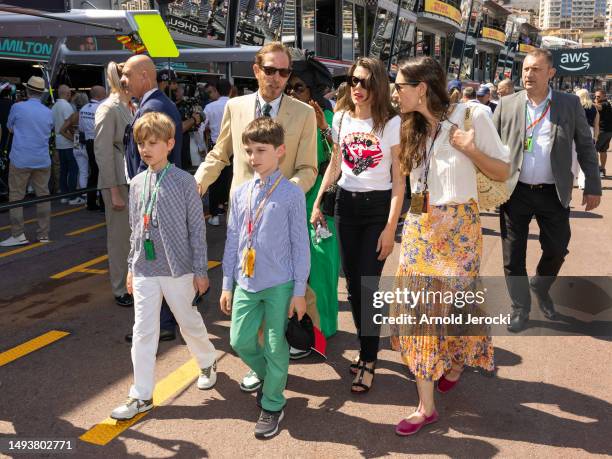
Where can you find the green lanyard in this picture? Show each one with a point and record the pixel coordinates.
(148, 207)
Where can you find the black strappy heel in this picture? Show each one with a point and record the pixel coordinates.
(354, 367)
(359, 383)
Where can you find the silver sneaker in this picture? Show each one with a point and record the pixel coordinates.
(131, 408)
(14, 241)
(250, 382)
(208, 377)
(268, 422)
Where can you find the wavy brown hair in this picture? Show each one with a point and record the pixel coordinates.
(379, 96)
(415, 127)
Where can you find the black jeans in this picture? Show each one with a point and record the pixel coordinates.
(219, 190)
(92, 180)
(553, 220)
(360, 219)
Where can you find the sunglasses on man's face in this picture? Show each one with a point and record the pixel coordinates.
(353, 81)
(297, 88)
(272, 70)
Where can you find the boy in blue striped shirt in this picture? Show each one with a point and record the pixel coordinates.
(265, 267)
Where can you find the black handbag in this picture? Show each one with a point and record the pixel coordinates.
(328, 199)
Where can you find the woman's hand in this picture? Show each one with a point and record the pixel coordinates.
(386, 240)
(316, 216)
(321, 121)
(464, 141)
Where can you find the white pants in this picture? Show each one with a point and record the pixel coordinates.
(80, 155)
(148, 294)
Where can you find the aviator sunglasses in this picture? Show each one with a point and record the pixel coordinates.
(272, 70)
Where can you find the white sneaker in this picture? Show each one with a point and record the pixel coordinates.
(13, 241)
(296, 354)
(214, 221)
(250, 382)
(131, 408)
(43, 239)
(208, 377)
(77, 201)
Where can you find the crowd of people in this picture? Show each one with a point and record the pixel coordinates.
(314, 187)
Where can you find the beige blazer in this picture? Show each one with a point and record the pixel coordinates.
(112, 118)
(300, 161)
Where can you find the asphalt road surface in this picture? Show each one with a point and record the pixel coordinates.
(551, 396)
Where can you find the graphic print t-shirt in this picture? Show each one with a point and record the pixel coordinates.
(366, 155)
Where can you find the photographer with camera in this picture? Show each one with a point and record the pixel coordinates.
(191, 116)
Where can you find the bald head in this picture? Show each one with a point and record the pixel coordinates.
(63, 92)
(139, 75)
(97, 92)
(505, 88)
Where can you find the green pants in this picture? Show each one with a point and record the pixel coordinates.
(271, 363)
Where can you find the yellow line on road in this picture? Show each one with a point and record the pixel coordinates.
(22, 249)
(31, 346)
(86, 229)
(80, 267)
(102, 433)
(56, 214)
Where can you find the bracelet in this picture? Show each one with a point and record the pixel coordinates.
(326, 132)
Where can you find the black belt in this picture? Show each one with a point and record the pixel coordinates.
(539, 186)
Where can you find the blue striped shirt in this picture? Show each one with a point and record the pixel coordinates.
(280, 238)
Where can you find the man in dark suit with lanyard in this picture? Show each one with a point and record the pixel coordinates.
(539, 126)
(139, 78)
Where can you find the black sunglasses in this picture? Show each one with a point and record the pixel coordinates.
(297, 88)
(272, 70)
(398, 86)
(353, 81)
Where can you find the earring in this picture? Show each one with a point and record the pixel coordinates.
(420, 100)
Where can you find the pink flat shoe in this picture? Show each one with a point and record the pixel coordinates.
(405, 427)
(444, 385)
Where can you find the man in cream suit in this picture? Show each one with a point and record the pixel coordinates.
(539, 126)
(272, 69)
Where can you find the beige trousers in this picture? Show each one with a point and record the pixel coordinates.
(117, 239)
(18, 183)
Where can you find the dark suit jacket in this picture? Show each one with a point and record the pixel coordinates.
(569, 126)
(157, 101)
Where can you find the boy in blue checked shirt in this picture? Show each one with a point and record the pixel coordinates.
(167, 260)
(267, 254)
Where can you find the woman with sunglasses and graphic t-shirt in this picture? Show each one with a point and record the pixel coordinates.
(366, 136)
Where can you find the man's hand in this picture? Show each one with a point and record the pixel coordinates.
(200, 283)
(128, 283)
(201, 189)
(116, 200)
(591, 201)
(298, 304)
(226, 302)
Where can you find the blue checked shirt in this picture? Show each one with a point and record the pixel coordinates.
(280, 238)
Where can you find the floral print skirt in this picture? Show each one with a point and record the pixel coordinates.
(440, 252)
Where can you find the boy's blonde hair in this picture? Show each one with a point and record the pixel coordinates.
(154, 125)
(264, 130)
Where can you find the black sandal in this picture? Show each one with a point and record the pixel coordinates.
(362, 369)
(354, 367)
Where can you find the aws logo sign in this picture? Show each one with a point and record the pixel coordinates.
(575, 61)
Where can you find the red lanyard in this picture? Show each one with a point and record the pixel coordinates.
(252, 222)
(540, 118)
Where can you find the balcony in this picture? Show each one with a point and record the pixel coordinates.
(439, 16)
(491, 39)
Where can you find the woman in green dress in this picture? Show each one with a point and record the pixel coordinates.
(308, 81)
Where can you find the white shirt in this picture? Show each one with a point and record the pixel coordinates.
(476, 103)
(87, 119)
(61, 112)
(275, 104)
(363, 149)
(214, 116)
(452, 175)
(536, 168)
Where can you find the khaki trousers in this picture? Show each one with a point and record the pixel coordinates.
(18, 183)
(117, 239)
